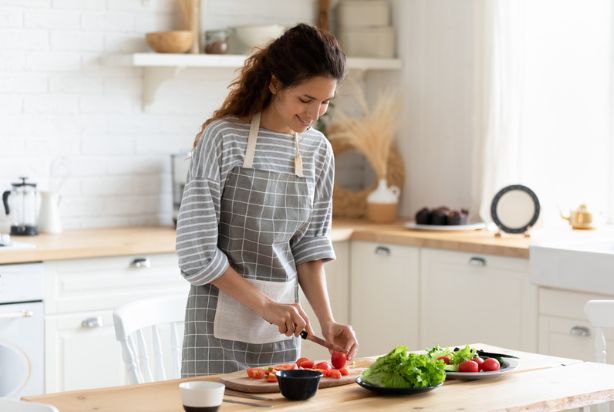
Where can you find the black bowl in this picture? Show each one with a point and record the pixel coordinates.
(298, 384)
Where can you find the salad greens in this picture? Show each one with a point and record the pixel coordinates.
(456, 356)
(401, 369)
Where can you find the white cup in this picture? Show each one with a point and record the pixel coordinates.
(201, 396)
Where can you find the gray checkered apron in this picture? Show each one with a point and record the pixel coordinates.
(262, 214)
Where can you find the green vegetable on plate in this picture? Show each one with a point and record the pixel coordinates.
(402, 369)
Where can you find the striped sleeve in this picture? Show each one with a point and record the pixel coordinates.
(200, 259)
(316, 243)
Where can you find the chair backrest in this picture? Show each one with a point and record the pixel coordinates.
(11, 405)
(138, 327)
(600, 314)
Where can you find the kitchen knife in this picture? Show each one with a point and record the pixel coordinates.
(494, 355)
(321, 342)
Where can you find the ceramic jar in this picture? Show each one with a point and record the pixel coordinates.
(382, 203)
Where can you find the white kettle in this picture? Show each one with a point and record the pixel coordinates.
(49, 214)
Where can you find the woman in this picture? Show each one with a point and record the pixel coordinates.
(255, 216)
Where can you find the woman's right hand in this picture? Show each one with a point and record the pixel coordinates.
(290, 319)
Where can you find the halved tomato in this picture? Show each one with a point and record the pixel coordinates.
(256, 373)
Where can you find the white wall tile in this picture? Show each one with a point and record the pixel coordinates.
(12, 60)
(54, 19)
(107, 21)
(79, 4)
(53, 61)
(23, 83)
(11, 17)
(21, 39)
(77, 40)
(50, 104)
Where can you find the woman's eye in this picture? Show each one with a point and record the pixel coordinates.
(303, 101)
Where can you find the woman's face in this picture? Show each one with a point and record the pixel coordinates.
(297, 107)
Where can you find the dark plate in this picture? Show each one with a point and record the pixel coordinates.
(394, 391)
(507, 364)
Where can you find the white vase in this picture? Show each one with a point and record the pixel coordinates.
(49, 214)
(382, 203)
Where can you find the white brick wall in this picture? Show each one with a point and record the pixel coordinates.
(58, 101)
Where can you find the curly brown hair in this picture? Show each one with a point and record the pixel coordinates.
(302, 52)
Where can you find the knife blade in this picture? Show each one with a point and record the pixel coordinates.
(492, 354)
(321, 342)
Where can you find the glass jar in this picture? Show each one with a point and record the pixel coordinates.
(216, 41)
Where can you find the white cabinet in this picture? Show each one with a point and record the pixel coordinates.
(469, 298)
(384, 296)
(338, 283)
(564, 330)
(80, 295)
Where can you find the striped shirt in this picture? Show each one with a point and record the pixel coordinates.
(221, 149)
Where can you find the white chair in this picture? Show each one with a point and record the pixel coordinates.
(138, 326)
(600, 314)
(11, 405)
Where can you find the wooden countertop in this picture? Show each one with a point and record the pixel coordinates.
(539, 383)
(91, 243)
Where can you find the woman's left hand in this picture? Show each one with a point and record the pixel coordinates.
(342, 336)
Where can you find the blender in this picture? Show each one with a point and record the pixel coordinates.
(20, 203)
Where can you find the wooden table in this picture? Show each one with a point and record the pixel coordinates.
(539, 383)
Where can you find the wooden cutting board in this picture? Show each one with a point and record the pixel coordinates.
(239, 381)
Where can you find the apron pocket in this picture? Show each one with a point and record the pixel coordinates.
(235, 321)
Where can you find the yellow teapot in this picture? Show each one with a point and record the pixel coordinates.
(580, 218)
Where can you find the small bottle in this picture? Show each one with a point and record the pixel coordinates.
(216, 42)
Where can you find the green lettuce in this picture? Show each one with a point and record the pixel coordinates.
(456, 357)
(401, 369)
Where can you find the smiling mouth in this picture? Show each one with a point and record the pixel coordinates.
(303, 121)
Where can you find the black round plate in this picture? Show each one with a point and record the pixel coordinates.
(496, 218)
(394, 391)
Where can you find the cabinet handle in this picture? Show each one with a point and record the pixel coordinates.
(140, 263)
(19, 314)
(477, 261)
(581, 331)
(382, 251)
(91, 323)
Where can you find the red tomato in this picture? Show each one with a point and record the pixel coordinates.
(304, 363)
(479, 361)
(344, 371)
(468, 366)
(256, 373)
(338, 359)
(445, 359)
(271, 377)
(283, 367)
(334, 373)
(323, 366)
(491, 364)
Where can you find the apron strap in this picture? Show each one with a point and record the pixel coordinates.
(298, 160)
(251, 141)
(251, 147)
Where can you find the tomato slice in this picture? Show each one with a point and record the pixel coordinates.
(344, 371)
(271, 377)
(256, 373)
(334, 373)
(323, 366)
(305, 363)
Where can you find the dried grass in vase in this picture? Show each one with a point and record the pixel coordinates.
(372, 134)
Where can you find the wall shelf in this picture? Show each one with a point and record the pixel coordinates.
(160, 67)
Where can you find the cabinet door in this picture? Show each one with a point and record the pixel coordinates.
(470, 298)
(384, 296)
(81, 352)
(564, 329)
(338, 283)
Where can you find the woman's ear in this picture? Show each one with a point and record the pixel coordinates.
(274, 85)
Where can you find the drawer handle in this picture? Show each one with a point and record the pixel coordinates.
(92, 323)
(382, 251)
(477, 261)
(581, 331)
(16, 315)
(140, 263)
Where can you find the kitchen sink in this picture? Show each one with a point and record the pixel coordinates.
(582, 262)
